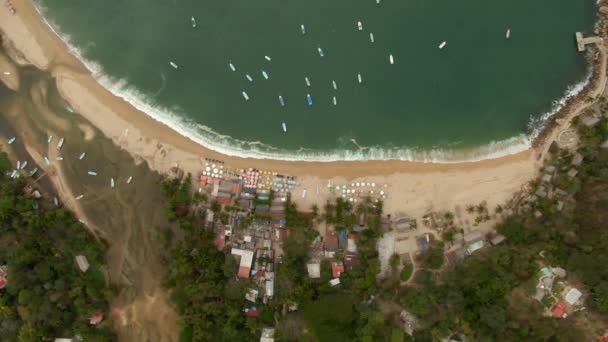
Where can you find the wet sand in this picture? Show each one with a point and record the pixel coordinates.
(140, 310)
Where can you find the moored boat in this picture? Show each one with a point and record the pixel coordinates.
(307, 81)
(321, 53)
(129, 180)
(267, 58)
(391, 59)
(335, 101)
(231, 66)
(281, 101)
(303, 29)
(284, 127)
(442, 45)
(112, 183)
(334, 85)
(508, 34)
(60, 144)
(48, 141)
(11, 140)
(359, 78)
(245, 96)
(309, 99)
(265, 74)
(193, 21)
(360, 25)
(173, 65)
(82, 156)
(371, 37)
(248, 78)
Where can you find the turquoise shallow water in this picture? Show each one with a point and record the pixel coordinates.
(480, 88)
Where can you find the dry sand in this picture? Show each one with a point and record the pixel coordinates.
(414, 186)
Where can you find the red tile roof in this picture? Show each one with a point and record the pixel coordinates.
(331, 238)
(559, 310)
(223, 200)
(253, 313)
(2, 282)
(244, 272)
(337, 268)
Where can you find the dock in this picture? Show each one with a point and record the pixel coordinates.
(582, 42)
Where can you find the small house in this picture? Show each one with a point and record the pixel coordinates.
(497, 239)
(573, 296)
(334, 282)
(96, 318)
(267, 335)
(82, 262)
(337, 268)
(423, 242)
(331, 242)
(559, 310)
(245, 262)
(314, 270)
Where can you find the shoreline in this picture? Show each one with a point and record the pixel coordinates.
(229, 146)
(415, 186)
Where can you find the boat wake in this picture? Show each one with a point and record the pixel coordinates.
(207, 137)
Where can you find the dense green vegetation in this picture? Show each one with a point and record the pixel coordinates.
(202, 279)
(46, 295)
(485, 297)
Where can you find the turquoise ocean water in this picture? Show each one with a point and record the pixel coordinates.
(481, 89)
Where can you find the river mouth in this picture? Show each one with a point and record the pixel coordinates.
(474, 99)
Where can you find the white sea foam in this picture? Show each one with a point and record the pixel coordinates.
(227, 145)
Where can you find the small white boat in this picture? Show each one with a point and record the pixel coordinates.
(79, 197)
(60, 144)
(69, 109)
(14, 174)
(245, 96)
(284, 127)
(442, 45)
(231, 66)
(334, 85)
(303, 29)
(359, 78)
(49, 139)
(18, 164)
(55, 201)
(268, 58)
(6, 73)
(33, 172)
(129, 180)
(378, 1)
(360, 26)
(59, 158)
(304, 193)
(307, 81)
(335, 101)
(508, 34)
(82, 156)
(265, 74)
(321, 53)
(11, 140)
(371, 37)
(281, 101)
(47, 161)
(112, 183)
(173, 65)
(309, 99)
(92, 173)
(193, 21)
(248, 77)
(391, 59)
(24, 165)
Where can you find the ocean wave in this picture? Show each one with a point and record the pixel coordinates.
(227, 145)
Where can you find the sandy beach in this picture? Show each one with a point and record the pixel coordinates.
(414, 187)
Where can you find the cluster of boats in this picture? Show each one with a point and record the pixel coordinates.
(309, 98)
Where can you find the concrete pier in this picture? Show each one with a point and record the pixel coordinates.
(581, 42)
